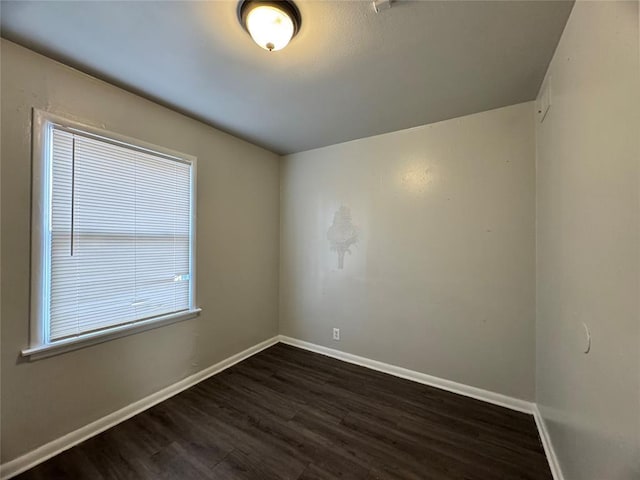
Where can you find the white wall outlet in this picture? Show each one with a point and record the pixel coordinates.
(336, 334)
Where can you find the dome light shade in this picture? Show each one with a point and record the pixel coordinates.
(271, 24)
(269, 27)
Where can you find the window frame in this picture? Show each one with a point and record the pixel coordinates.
(40, 345)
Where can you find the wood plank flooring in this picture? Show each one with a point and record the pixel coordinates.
(286, 413)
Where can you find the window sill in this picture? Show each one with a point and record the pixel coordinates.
(82, 341)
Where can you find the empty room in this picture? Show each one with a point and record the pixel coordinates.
(320, 239)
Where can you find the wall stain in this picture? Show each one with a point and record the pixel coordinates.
(342, 234)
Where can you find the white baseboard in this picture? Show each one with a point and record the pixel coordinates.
(43, 453)
(455, 387)
(48, 450)
(441, 383)
(554, 465)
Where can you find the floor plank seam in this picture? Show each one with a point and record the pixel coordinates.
(287, 413)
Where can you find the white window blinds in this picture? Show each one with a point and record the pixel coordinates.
(120, 235)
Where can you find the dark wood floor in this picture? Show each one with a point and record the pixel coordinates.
(286, 413)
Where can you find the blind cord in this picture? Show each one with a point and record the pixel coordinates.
(73, 189)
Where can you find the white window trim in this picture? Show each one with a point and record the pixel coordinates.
(39, 345)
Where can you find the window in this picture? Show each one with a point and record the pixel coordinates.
(113, 236)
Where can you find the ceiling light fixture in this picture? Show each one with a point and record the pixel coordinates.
(271, 24)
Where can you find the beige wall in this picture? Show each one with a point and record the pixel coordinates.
(441, 279)
(588, 221)
(237, 257)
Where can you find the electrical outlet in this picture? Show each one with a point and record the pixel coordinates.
(336, 334)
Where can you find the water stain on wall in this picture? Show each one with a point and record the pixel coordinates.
(342, 234)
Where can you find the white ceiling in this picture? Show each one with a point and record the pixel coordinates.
(349, 73)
